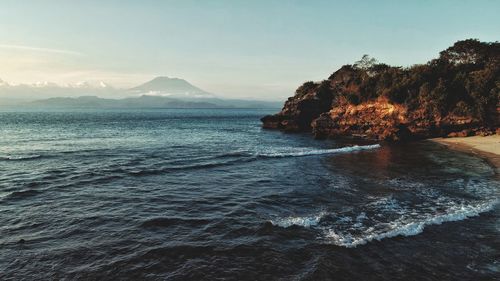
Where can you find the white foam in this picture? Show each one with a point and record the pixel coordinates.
(401, 183)
(306, 221)
(344, 219)
(405, 227)
(306, 152)
(387, 205)
(20, 157)
(361, 216)
(483, 188)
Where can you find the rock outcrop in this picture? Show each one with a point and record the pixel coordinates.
(454, 95)
(299, 111)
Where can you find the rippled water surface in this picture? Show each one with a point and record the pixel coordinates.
(208, 194)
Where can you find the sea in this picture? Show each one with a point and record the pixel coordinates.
(207, 194)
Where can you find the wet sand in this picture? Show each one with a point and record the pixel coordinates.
(486, 147)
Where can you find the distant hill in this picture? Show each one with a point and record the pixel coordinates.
(145, 101)
(137, 102)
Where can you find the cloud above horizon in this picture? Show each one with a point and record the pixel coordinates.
(39, 49)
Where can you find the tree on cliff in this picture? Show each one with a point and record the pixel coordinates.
(365, 63)
(470, 51)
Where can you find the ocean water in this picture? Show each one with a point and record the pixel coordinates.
(209, 195)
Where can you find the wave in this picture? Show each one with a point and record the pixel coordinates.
(20, 157)
(22, 194)
(235, 157)
(404, 226)
(213, 164)
(306, 221)
(308, 152)
(411, 228)
(232, 154)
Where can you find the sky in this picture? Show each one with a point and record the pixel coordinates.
(240, 49)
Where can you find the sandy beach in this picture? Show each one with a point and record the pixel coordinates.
(486, 147)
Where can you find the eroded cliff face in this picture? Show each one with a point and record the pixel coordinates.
(383, 120)
(455, 95)
(374, 120)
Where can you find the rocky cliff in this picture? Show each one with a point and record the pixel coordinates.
(456, 94)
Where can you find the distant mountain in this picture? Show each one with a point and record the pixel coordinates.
(165, 86)
(161, 92)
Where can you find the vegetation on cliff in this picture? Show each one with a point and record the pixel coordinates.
(456, 93)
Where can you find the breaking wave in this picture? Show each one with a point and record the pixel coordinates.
(411, 228)
(404, 226)
(20, 157)
(235, 157)
(307, 152)
(306, 221)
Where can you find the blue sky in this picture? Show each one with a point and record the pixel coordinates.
(262, 49)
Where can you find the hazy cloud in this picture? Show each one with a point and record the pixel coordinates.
(39, 49)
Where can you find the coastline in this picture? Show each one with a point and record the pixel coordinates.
(487, 147)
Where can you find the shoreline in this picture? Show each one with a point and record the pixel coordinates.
(487, 147)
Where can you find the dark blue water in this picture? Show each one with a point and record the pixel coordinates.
(209, 195)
